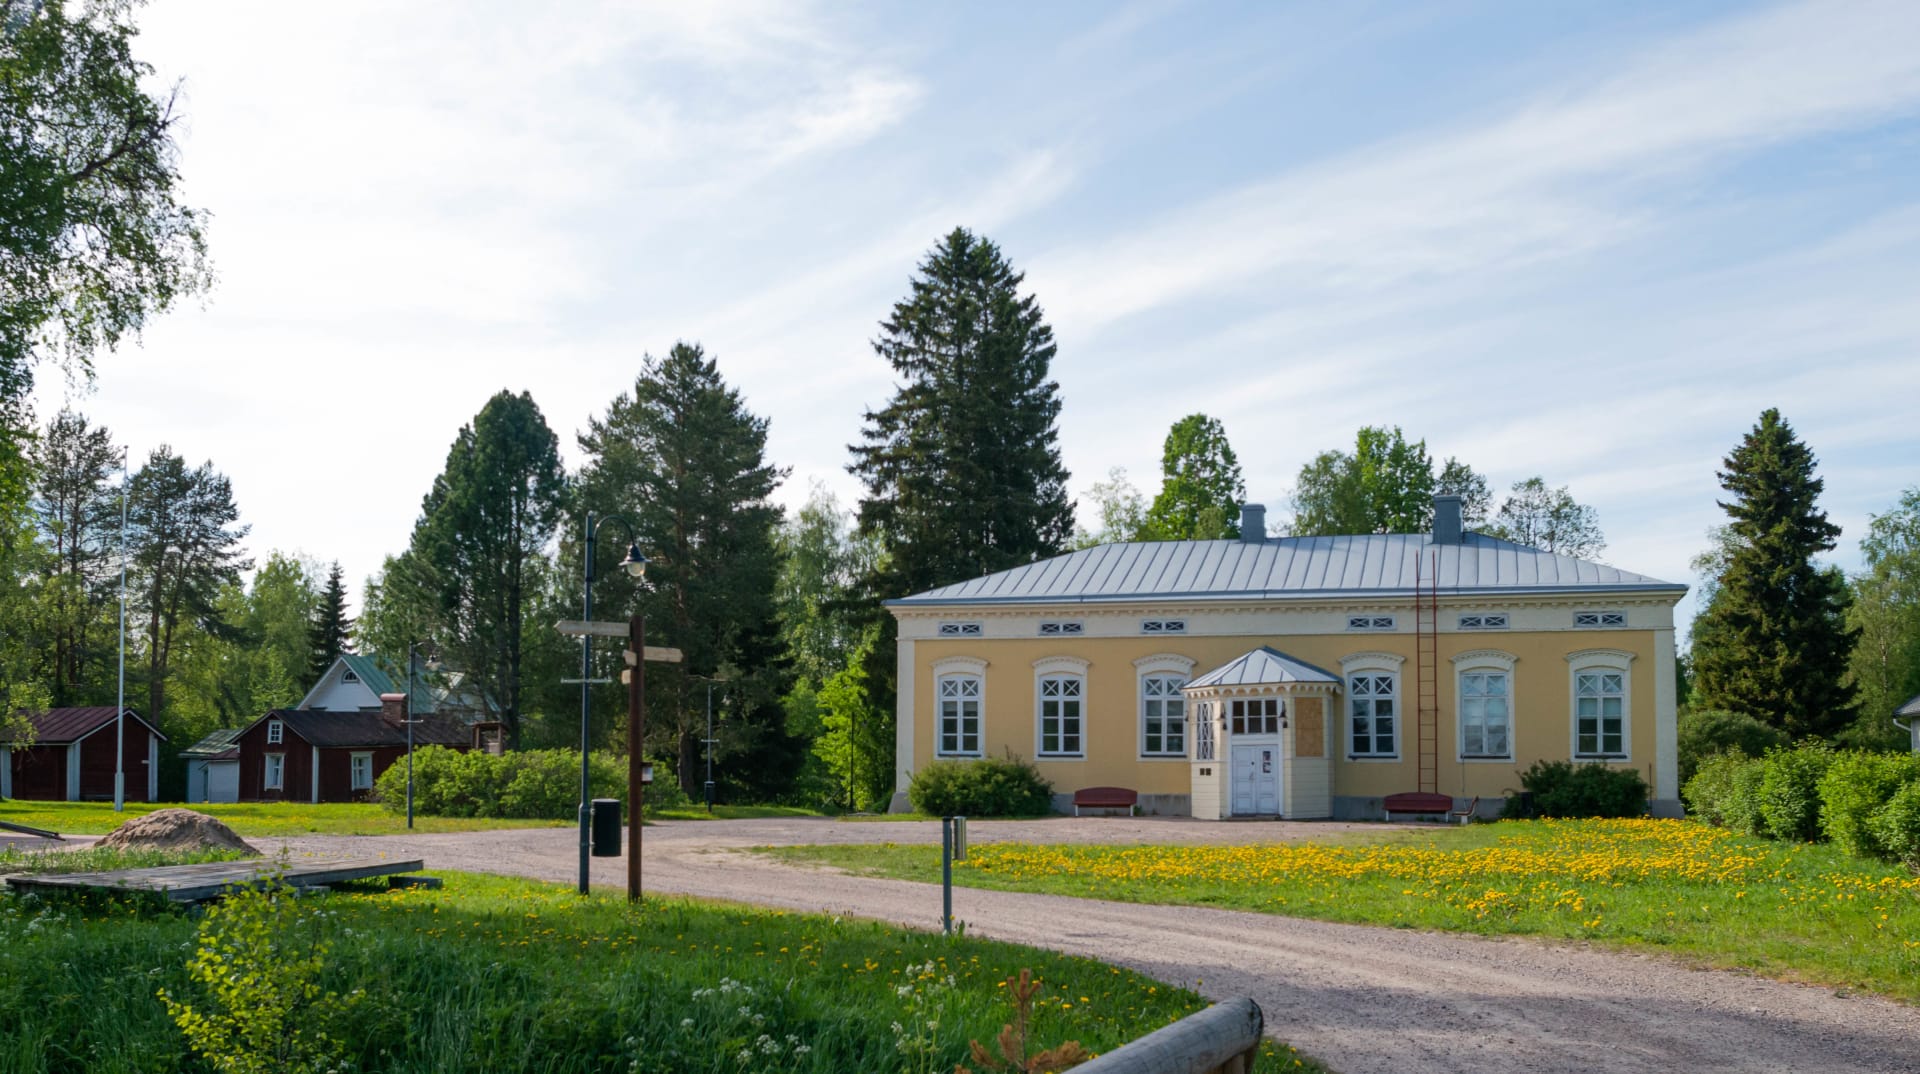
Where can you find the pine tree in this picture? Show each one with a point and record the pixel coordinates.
(330, 633)
(1201, 488)
(490, 513)
(78, 507)
(1774, 643)
(962, 466)
(684, 459)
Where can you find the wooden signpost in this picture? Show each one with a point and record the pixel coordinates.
(638, 655)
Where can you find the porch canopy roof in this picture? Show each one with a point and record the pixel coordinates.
(1264, 666)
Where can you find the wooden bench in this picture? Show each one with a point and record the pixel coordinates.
(1466, 815)
(1418, 802)
(1105, 798)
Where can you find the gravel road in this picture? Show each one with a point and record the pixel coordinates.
(1359, 998)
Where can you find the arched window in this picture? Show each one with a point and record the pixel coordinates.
(1163, 708)
(1060, 707)
(1601, 683)
(1483, 681)
(960, 686)
(1373, 705)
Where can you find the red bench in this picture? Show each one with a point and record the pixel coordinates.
(1105, 798)
(1418, 802)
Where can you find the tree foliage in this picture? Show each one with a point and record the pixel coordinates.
(184, 536)
(96, 240)
(77, 504)
(1384, 485)
(1774, 642)
(1551, 520)
(1885, 664)
(490, 514)
(1200, 488)
(683, 458)
(1121, 509)
(330, 630)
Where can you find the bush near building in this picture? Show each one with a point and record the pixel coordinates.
(982, 788)
(527, 784)
(1866, 803)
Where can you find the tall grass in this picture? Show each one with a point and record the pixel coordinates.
(496, 975)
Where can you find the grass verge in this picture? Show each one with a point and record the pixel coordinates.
(730, 812)
(492, 974)
(1786, 910)
(254, 818)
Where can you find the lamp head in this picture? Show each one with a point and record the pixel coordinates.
(635, 564)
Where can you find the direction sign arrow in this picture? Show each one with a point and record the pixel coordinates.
(656, 654)
(599, 629)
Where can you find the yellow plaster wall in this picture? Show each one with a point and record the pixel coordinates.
(1542, 698)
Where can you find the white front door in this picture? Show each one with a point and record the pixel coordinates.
(1256, 780)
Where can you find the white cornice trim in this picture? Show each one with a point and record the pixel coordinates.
(1485, 658)
(1600, 657)
(1053, 665)
(953, 665)
(1371, 659)
(1165, 662)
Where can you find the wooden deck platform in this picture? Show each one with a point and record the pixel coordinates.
(193, 883)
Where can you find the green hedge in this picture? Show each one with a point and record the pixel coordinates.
(529, 784)
(1710, 733)
(1564, 789)
(982, 788)
(1867, 803)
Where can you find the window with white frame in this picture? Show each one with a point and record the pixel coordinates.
(276, 732)
(1052, 629)
(1163, 626)
(361, 766)
(1255, 715)
(1599, 712)
(1484, 621)
(1373, 714)
(959, 716)
(1599, 619)
(276, 773)
(349, 676)
(1163, 715)
(1369, 622)
(1486, 712)
(1061, 715)
(959, 630)
(1203, 731)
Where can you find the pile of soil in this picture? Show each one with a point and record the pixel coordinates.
(175, 829)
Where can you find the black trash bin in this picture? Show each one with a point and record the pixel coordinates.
(606, 827)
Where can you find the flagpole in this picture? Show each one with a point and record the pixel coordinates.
(120, 707)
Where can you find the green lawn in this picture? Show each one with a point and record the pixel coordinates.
(1786, 910)
(729, 812)
(499, 975)
(253, 818)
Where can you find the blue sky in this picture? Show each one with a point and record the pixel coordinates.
(1587, 242)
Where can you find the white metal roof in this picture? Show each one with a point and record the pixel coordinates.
(1262, 666)
(1371, 564)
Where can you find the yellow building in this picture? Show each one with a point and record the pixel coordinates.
(1298, 677)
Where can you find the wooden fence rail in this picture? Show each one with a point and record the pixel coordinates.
(1222, 1039)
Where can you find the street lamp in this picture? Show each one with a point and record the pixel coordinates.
(636, 567)
(433, 665)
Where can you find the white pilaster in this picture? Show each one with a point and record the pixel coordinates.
(902, 723)
(1666, 725)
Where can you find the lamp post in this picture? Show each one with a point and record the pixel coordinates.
(636, 566)
(433, 664)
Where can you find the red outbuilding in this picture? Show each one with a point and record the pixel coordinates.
(315, 755)
(71, 757)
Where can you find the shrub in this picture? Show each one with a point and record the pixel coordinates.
(1896, 825)
(982, 788)
(1709, 794)
(1790, 792)
(1564, 789)
(527, 784)
(1742, 807)
(1854, 788)
(1712, 732)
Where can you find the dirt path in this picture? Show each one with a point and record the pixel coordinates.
(1362, 999)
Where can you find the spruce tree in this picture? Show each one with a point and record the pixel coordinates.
(962, 466)
(1773, 643)
(330, 633)
(684, 460)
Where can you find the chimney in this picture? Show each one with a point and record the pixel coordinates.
(393, 709)
(1253, 523)
(1446, 520)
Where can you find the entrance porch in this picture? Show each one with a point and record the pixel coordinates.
(1260, 738)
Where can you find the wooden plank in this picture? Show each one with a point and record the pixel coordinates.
(25, 830)
(599, 628)
(657, 654)
(192, 883)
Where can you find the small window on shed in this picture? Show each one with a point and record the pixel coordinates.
(1369, 622)
(1163, 626)
(959, 630)
(276, 732)
(349, 676)
(1599, 619)
(1054, 629)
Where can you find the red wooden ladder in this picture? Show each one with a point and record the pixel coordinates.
(1426, 625)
